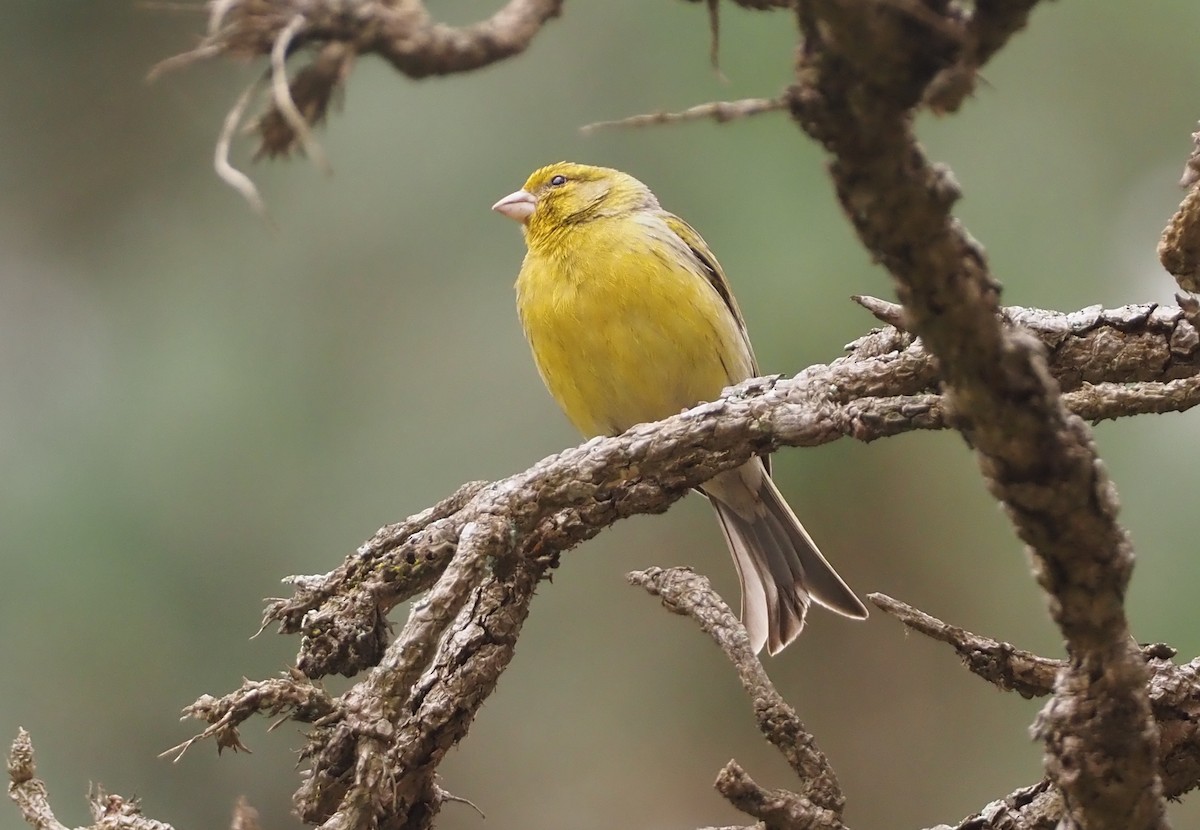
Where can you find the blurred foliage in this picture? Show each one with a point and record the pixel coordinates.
(193, 406)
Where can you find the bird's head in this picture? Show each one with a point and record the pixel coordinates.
(561, 195)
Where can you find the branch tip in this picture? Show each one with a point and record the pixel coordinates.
(1005, 666)
(891, 314)
(229, 174)
(204, 52)
(719, 111)
(285, 105)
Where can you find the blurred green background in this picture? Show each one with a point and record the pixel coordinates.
(193, 406)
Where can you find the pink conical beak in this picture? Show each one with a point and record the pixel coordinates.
(518, 206)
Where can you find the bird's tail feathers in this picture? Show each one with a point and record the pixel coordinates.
(780, 569)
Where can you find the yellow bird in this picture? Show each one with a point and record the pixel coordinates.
(630, 319)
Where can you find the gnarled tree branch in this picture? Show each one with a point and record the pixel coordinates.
(495, 541)
(1172, 691)
(109, 811)
(858, 80)
(820, 801)
(402, 32)
(1017, 383)
(1113, 363)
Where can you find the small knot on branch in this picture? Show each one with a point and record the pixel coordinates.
(1179, 247)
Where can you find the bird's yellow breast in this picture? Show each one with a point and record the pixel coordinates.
(625, 328)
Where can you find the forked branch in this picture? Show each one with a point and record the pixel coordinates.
(482, 551)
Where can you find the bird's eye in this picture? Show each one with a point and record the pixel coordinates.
(558, 181)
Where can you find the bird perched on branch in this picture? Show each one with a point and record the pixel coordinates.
(630, 319)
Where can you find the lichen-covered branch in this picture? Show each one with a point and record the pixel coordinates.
(1009, 668)
(1019, 384)
(482, 550)
(859, 79)
(109, 811)
(1173, 693)
(1115, 363)
(820, 801)
(293, 693)
(26, 789)
(374, 764)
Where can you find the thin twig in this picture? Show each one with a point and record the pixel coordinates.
(719, 111)
(1008, 667)
(714, 46)
(229, 174)
(201, 53)
(283, 95)
(458, 799)
(300, 698)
